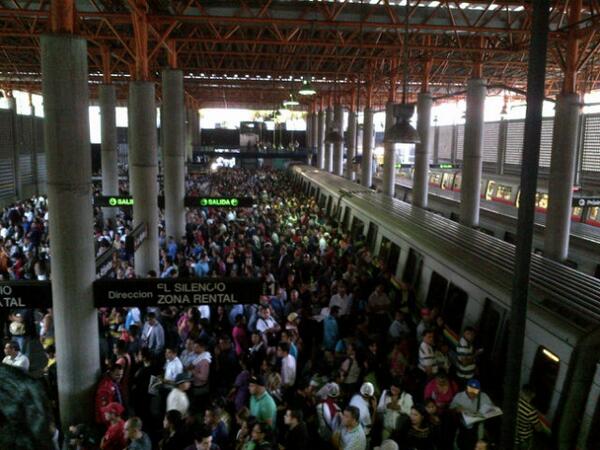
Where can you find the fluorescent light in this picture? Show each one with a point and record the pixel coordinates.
(550, 355)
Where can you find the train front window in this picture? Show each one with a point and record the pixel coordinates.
(594, 214)
(541, 200)
(457, 181)
(447, 180)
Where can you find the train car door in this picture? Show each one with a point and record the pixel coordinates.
(438, 285)
(543, 378)
(358, 227)
(389, 253)
(329, 205)
(372, 236)
(346, 221)
(490, 339)
(412, 269)
(594, 435)
(454, 308)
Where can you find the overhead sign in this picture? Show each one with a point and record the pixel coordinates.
(444, 166)
(25, 294)
(219, 202)
(582, 202)
(104, 263)
(177, 292)
(135, 238)
(190, 202)
(403, 166)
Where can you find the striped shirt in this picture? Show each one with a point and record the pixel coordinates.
(465, 350)
(527, 420)
(426, 357)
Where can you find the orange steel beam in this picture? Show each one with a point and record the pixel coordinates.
(62, 16)
(106, 71)
(427, 64)
(172, 54)
(139, 21)
(570, 81)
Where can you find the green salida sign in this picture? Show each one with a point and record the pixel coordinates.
(219, 201)
(120, 201)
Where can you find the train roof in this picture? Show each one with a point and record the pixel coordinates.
(568, 293)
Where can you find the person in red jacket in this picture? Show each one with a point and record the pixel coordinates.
(109, 391)
(114, 438)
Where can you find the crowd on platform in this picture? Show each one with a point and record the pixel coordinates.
(336, 354)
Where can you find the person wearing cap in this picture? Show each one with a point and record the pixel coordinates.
(366, 403)
(177, 398)
(328, 412)
(262, 405)
(114, 438)
(350, 435)
(394, 407)
(470, 402)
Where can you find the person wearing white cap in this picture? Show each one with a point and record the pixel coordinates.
(366, 403)
(328, 412)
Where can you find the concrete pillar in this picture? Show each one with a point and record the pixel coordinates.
(143, 171)
(321, 125)
(189, 120)
(108, 137)
(366, 178)
(34, 153)
(436, 144)
(351, 145)
(501, 154)
(195, 131)
(173, 152)
(338, 148)
(389, 155)
(562, 173)
(308, 140)
(69, 163)
(315, 135)
(473, 145)
(328, 147)
(422, 150)
(12, 106)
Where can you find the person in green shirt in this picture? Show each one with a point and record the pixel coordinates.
(262, 405)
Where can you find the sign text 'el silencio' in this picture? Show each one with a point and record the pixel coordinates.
(176, 292)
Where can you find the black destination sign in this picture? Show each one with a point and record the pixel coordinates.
(176, 292)
(586, 201)
(190, 202)
(219, 202)
(25, 294)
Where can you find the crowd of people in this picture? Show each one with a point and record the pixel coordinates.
(336, 354)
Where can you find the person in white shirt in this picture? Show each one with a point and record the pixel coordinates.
(288, 365)
(366, 404)
(394, 407)
(14, 357)
(427, 361)
(177, 398)
(341, 299)
(173, 366)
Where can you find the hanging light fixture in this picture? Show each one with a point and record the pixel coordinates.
(291, 101)
(333, 137)
(402, 132)
(307, 88)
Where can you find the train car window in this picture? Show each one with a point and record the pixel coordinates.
(543, 378)
(486, 231)
(577, 213)
(570, 263)
(372, 236)
(504, 192)
(457, 182)
(541, 200)
(346, 220)
(509, 237)
(358, 227)
(593, 217)
(412, 269)
(322, 200)
(489, 192)
(447, 181)
(437, 291)
(454, 308)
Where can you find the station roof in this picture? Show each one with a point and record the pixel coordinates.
(253, 53)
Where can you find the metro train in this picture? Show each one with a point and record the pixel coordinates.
(467, 274)
(498, 212)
